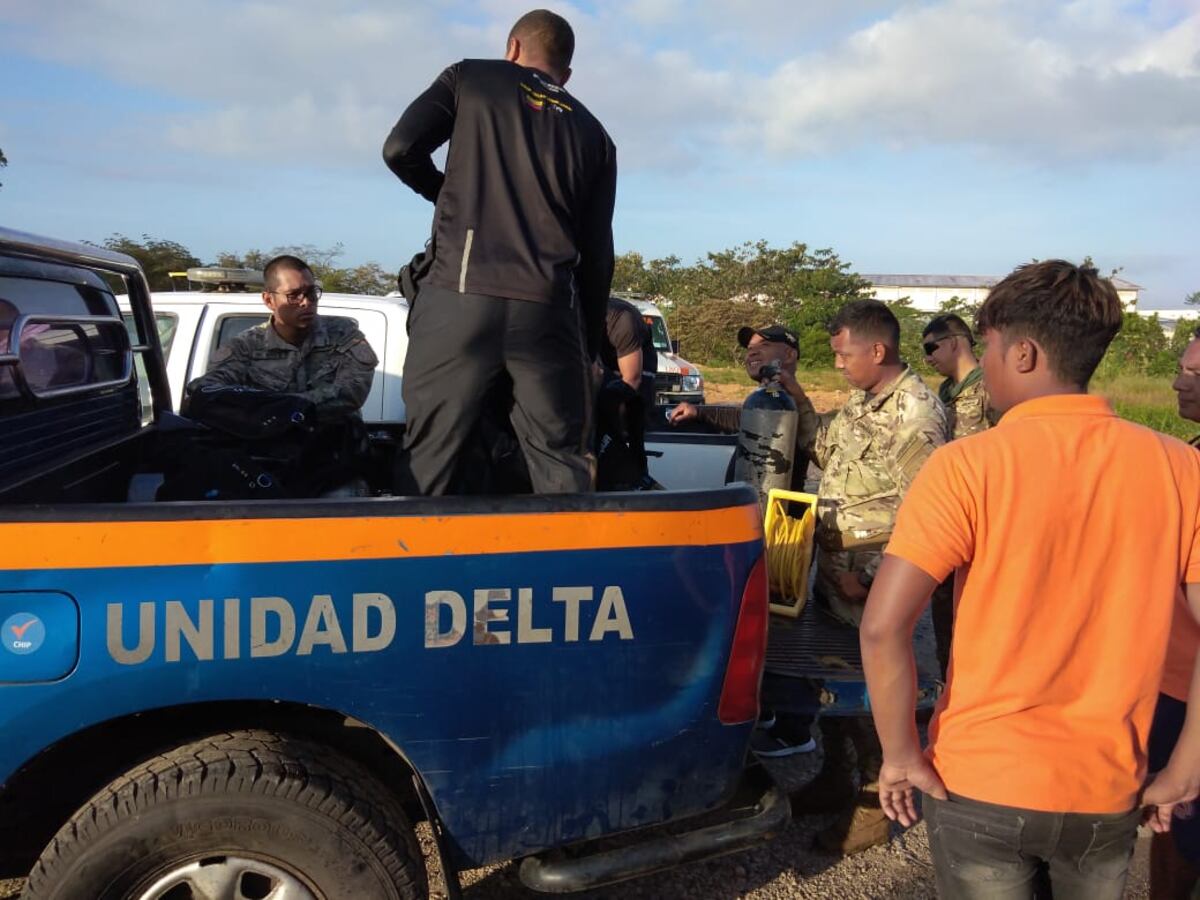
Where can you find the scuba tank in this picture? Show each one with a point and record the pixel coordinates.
(767, 440)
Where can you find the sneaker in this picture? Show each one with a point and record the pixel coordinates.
(766, 720)
(772, 746)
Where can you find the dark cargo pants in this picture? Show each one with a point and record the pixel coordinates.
(982, 851)
(458, 346)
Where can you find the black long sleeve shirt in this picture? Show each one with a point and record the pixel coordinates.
(524, 208)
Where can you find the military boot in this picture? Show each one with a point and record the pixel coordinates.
(835, 786)
(857, 829)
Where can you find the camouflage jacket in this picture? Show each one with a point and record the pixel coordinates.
(869, 453)
(333, 368)
(966, 405)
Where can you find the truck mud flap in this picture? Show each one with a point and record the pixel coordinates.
(758, 811)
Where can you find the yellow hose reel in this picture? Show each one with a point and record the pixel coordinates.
(788, 531)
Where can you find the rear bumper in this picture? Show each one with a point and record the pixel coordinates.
(814, 666)
(758, 811)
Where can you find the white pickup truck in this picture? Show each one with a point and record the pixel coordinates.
(677, 379)
(192, 325)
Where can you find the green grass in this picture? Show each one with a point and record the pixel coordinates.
(1148, 401)
(725, 375)
(1145, 399)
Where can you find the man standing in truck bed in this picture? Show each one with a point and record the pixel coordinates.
(522, 257)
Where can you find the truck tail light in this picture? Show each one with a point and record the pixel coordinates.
(743, 676)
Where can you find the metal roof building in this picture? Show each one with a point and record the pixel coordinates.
(928, 292)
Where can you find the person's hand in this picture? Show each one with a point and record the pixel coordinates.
(789, 383)
(896, 785)
(851, 587)
(1169, 793)
(684, 412)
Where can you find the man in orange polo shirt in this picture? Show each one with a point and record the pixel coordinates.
(1071, 531)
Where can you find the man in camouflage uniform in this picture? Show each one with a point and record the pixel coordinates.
(324, 360)
(948, 345)
(869, 453)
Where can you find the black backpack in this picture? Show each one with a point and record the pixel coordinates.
(242, 443)
(621, 440)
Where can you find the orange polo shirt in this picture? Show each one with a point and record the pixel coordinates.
(1072, 531)
(1181, 653)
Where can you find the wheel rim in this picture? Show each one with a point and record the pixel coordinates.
(227, 878)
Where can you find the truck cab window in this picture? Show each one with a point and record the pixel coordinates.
(166, 323)
(658, 332)
(58, 354)
(232, 325)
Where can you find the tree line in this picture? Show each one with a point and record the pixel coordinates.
(707, 301)
(158, 258)
(754, 283)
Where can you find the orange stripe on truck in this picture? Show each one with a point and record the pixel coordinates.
(83, 545)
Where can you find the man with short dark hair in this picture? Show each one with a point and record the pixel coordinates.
(624, 370)
(627, 351)
(869, 453)
(325, 360)
(522, 258)
(1070, 532)
(948, 345)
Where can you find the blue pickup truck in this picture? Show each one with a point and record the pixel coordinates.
(262, 698)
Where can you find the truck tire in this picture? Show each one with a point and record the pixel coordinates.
(248, 814)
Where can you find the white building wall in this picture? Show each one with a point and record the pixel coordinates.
(930, 299)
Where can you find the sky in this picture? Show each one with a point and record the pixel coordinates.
(945, 137)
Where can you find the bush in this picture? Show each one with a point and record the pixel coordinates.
(1140, 347)
(707, 329)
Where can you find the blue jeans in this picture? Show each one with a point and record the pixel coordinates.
(982, 851)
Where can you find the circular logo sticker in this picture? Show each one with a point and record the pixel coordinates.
(22, 633)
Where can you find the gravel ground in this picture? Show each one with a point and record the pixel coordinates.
(786, 868)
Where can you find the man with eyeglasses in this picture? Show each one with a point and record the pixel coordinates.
(948, 345)
(327, 361)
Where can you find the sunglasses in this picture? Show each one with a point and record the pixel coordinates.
(930, 347)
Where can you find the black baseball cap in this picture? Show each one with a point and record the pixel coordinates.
(775, 333)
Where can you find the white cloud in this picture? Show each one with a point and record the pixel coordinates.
(978, 73)
(319, 84)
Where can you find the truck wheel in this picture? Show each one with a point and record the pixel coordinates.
(249, 814)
